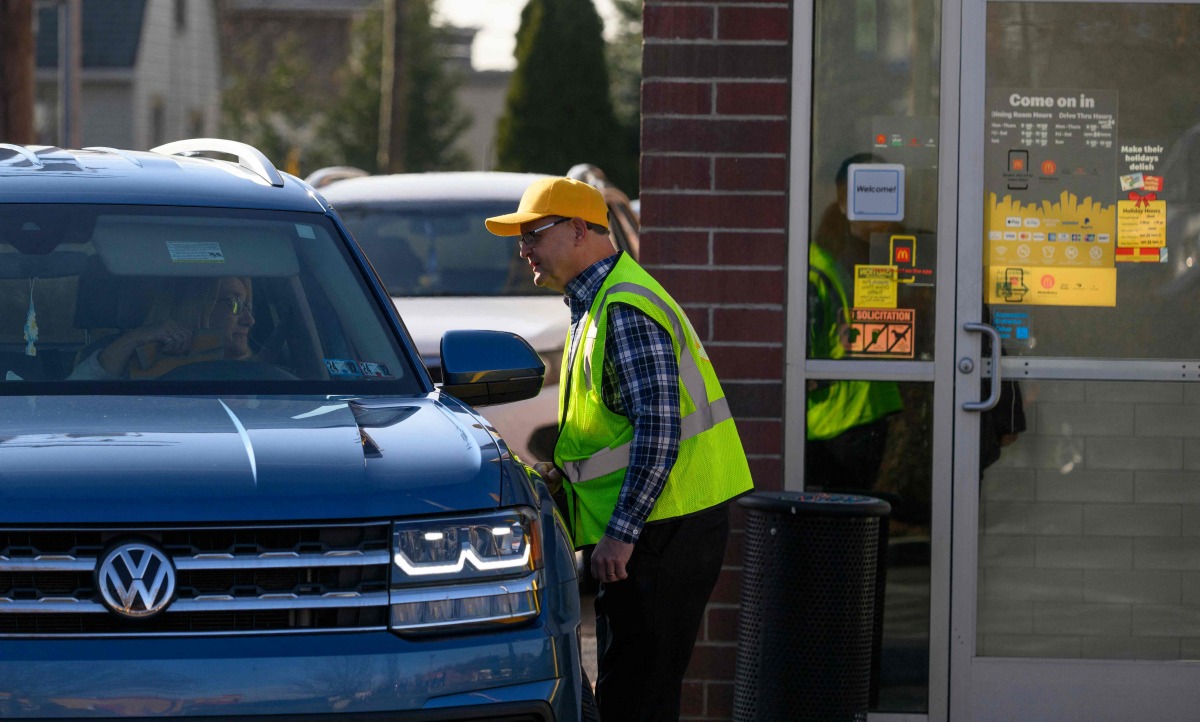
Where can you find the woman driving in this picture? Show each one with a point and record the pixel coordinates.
(204, 319)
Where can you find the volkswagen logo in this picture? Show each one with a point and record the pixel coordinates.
(136, 580)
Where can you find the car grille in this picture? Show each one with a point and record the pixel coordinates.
(229, 580)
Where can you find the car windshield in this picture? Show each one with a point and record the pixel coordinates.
(134, 295)
(440, 249)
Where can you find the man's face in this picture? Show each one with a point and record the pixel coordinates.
(547, 244)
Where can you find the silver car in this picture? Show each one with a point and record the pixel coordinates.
(424, 234)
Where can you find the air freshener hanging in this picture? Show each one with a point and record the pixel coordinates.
(31, 329)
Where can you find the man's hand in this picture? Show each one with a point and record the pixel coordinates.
(550, 475)
(609, 559)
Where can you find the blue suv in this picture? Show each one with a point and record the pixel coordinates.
(229, 487)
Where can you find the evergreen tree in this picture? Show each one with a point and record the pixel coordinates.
(352, 125)
(261, 105)
(434, 122)
(625, 68)
(558, 112)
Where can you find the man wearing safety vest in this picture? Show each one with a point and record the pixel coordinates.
(847, 420)
(647, 448)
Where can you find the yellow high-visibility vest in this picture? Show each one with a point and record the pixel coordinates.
(832, 408)
(593, 442)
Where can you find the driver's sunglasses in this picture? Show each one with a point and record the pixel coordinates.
(531, 238)
(238, 305)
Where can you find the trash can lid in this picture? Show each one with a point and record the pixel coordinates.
(816, 503)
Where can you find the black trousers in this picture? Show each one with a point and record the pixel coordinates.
(848, 461)
(646, 625)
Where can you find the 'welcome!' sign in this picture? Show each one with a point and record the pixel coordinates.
(875, 192)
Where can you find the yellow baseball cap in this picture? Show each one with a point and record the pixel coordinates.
(553, 197)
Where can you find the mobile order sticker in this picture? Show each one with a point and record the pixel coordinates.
(875, 192)
(195, 252)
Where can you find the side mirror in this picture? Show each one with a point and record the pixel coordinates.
(490, 367)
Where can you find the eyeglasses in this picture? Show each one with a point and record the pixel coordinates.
(238, 305)
(531, 238)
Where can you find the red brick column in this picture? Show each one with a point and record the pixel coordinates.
(714, 179)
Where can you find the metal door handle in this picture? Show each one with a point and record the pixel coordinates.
(994, 397)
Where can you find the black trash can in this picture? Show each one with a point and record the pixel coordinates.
(809, 596)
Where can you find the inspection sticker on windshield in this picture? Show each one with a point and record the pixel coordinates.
(305, 231)
(342, 367)
(195, 252)
(373, 369)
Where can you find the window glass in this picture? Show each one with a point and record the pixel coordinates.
(886, 453)
(440, 249)
(133, 295)
(873, 274)
(1091, 171)
(873, 256)
(1089, 531)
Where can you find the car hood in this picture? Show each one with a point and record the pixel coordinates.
(164, 459)
(540, 320)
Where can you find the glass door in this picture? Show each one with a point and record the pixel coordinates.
(1076, 557)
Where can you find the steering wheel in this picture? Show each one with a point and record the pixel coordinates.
(228, 370)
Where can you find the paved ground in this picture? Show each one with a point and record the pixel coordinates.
(588, 632)
(905, 658)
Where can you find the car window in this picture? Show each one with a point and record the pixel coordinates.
(141, 295)
(440, 249)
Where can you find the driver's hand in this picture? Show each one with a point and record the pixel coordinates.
(172, 337)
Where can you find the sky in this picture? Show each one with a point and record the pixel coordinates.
(497, 21)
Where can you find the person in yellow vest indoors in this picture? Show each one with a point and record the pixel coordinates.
(648, 451)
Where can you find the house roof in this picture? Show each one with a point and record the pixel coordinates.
(301, 7)
(111, 33)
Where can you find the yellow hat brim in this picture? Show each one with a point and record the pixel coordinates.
(510, 224)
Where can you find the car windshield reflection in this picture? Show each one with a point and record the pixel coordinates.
(442, 251)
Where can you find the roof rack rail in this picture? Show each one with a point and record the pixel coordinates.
(24, 153)
(248, 156)
(116, 151)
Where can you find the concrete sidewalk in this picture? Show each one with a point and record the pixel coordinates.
(587, 610)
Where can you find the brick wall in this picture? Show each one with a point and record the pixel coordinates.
(714, 178)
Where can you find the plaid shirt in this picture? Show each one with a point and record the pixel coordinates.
(640, 381)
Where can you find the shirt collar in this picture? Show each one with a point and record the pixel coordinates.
(581, 291)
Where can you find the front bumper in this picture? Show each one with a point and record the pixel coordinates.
(528, 672)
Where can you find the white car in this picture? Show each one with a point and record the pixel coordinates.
(424, 234)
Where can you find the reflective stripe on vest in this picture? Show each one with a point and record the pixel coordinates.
(704, 417)
(606, 461)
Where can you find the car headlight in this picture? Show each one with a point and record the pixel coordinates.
(466, 571)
